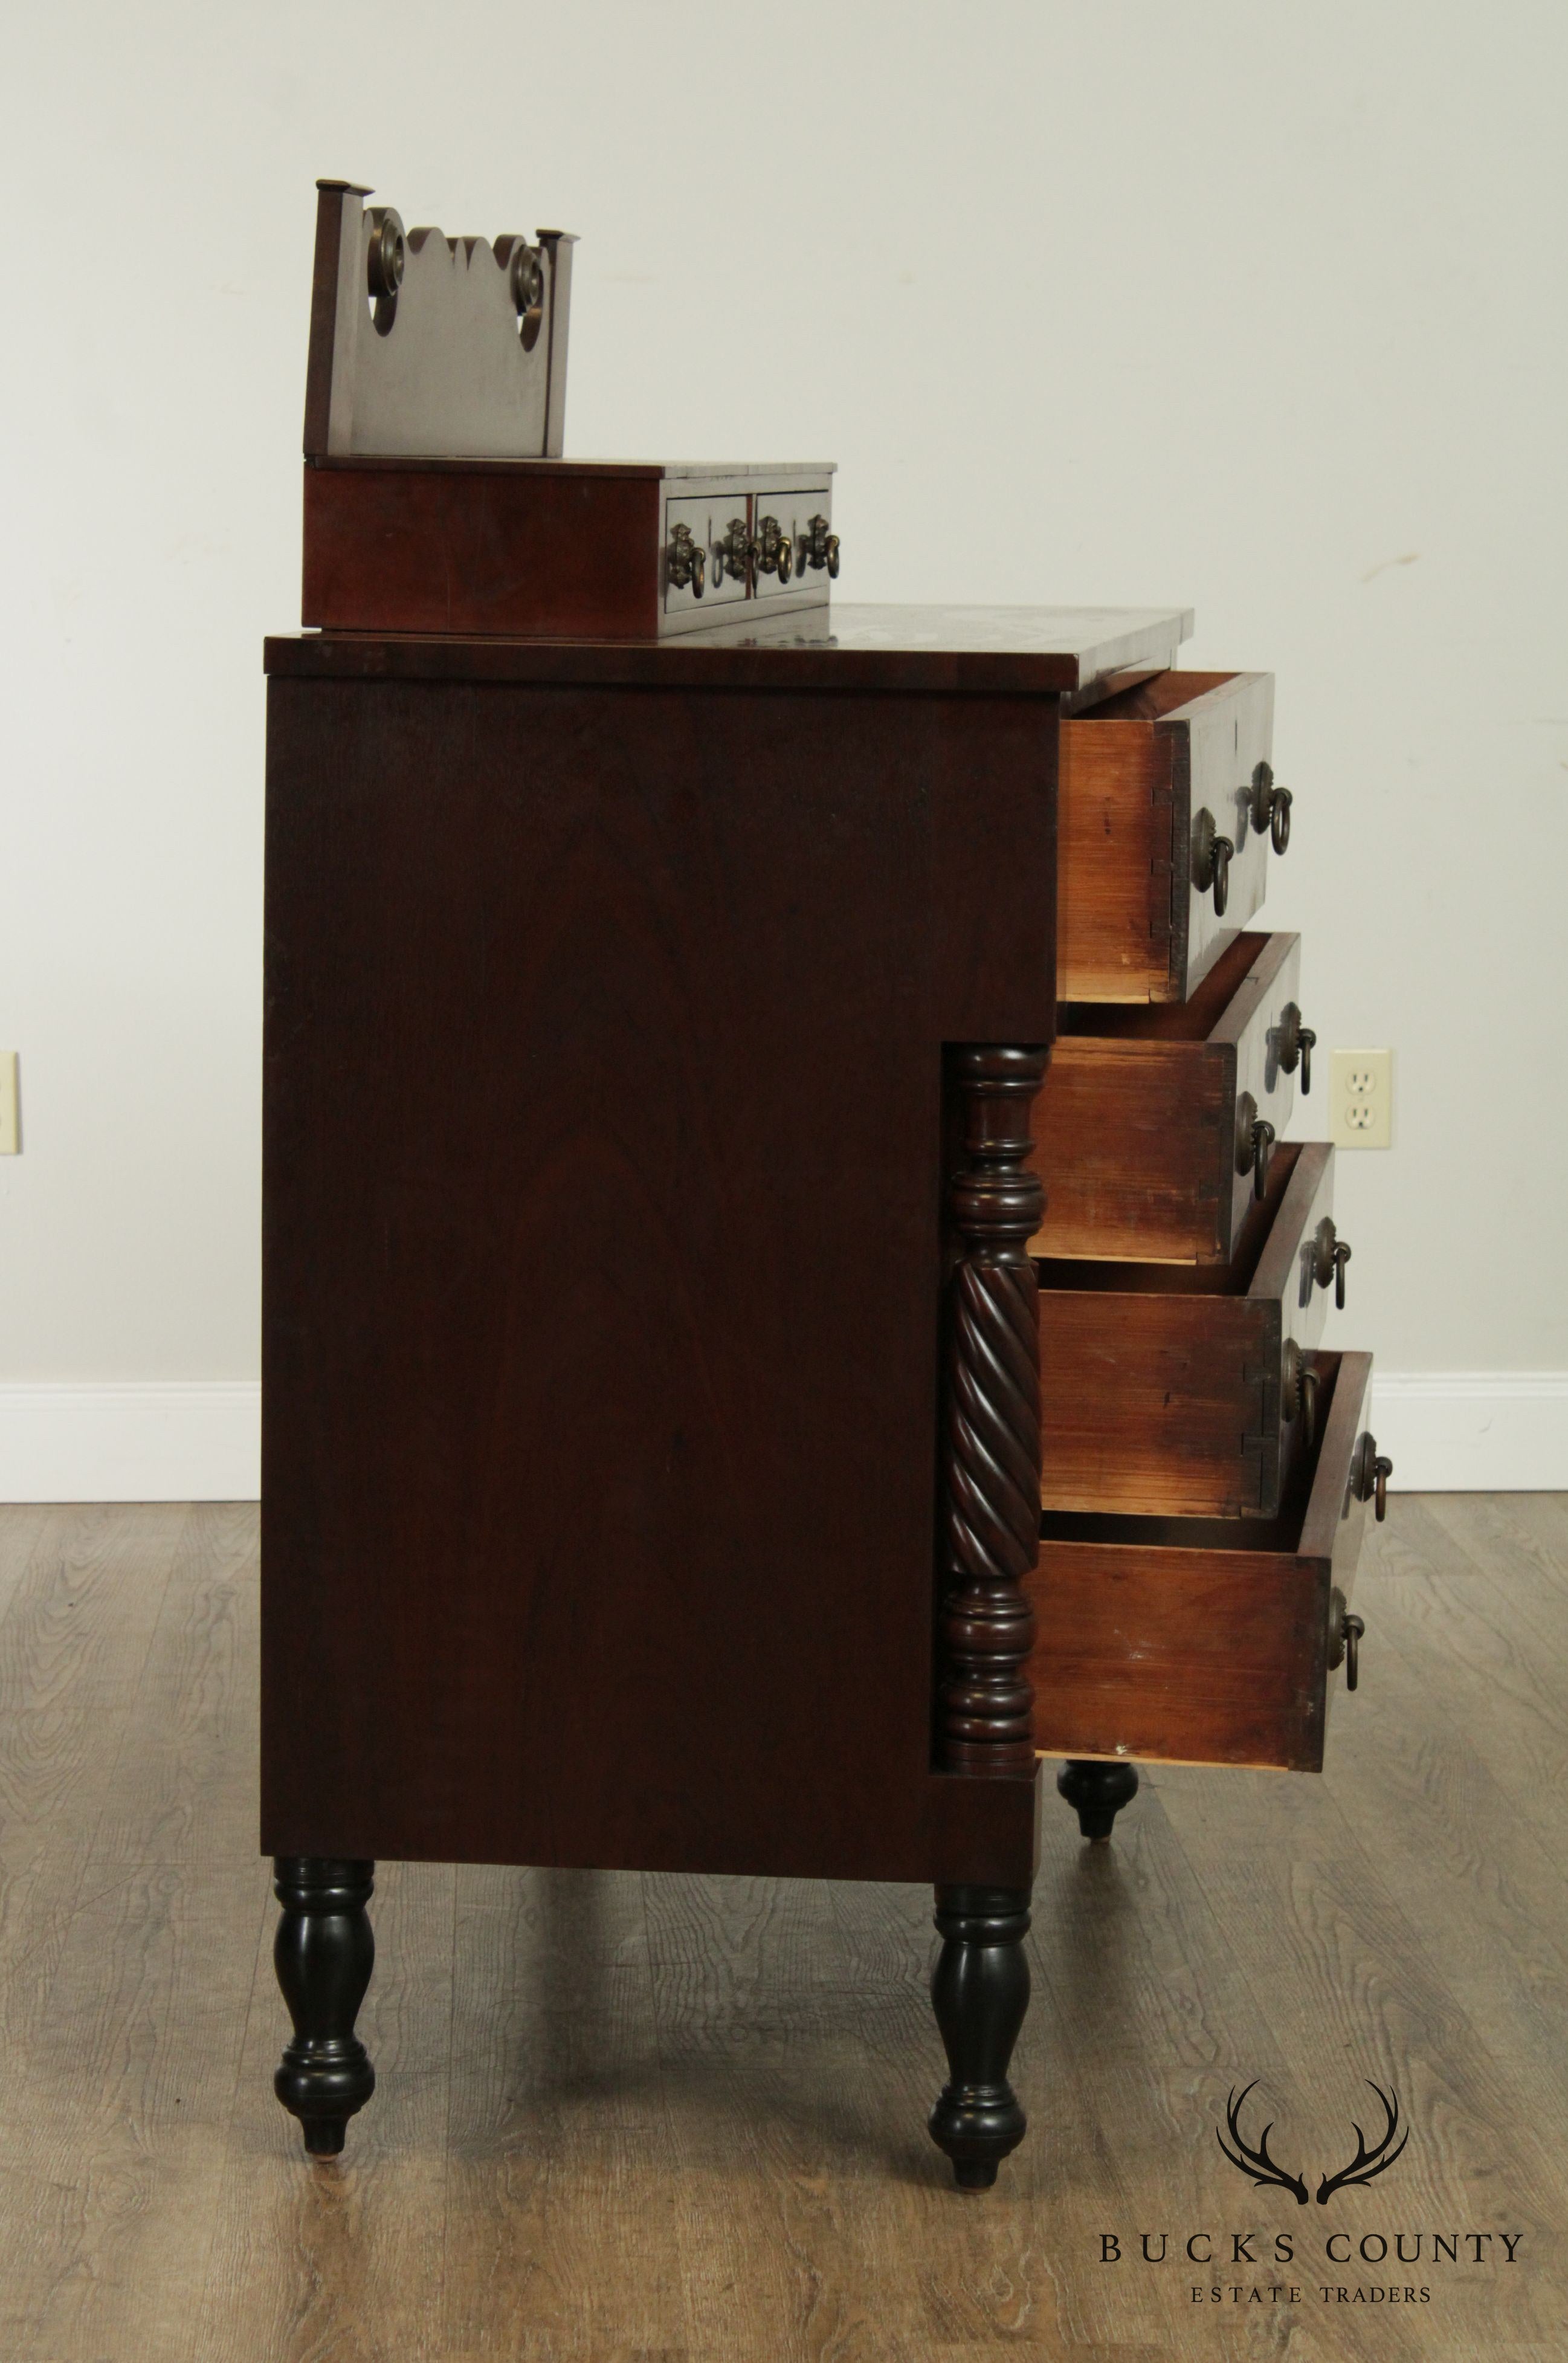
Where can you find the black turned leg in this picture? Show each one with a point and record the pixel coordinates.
(1097, 1793)
(980, 1990)
(323, 1953)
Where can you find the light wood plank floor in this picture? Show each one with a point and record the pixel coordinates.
(684, 2118)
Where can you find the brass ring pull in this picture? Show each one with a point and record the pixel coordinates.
(1330, 1256)
(1254, 1143)
(775, 551)
(687, 561)
(818, 548)
(1296, 1043)
(1370, 1473)
(1346, 1631)
(1270, 807)
(1211, 859)
(737, 551)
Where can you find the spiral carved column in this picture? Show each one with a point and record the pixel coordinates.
(991, 1441)
(990, 1464)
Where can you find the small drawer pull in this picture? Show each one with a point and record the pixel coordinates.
(1296, 1042)
(1330, 1256)
(818, 547)
(1370, 1472)
(1211, 858)
(687, 561)
(1271, 807)
(1345, 1634)
(737, 551)
(1254, 1143)
(775, 553)
(1298, 1391)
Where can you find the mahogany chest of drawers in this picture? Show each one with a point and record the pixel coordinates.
(668, 1170)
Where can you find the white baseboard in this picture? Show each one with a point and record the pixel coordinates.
(1473, 1431)
(163, 1441)
(1446, 1432)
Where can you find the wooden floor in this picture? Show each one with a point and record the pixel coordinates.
(664, 2117)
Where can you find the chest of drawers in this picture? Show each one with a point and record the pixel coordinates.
(654, 1146)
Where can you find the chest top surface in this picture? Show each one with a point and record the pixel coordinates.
(1048, 651)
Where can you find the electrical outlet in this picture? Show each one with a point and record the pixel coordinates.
(1360, 1099)
(10, 1127)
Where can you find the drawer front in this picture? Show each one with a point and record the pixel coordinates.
(792, 514)
(701, 524)
(1187, 1642)
(1150, 783)
(1144, 1130)
(1162, 1387)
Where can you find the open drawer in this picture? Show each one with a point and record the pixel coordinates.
(1192, 1641)
(1168, 808)
(1182, 1389)
(1149, 1126)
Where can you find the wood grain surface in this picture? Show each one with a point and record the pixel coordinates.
(604, 1096)
(632, 2116)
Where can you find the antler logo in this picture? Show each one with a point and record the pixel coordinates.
(1265, 2172)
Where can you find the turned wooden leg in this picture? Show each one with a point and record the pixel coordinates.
(980, 1990)
(1097, 1793)
(323, 1953)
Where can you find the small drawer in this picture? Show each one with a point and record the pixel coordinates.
(782, 531)
(695, 573)
(1191, 1642)
(1154, 784)
(1145, 1133)
(1182, 1389)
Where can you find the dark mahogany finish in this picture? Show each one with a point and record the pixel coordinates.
(1096, 1793)
(991, 1438)
(980, 1990)
(611, 995)
(323, 1952)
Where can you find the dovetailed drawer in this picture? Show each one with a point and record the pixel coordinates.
(1181, 1389)
(1191, 1641)
(1149, 782)
(1145, 1129)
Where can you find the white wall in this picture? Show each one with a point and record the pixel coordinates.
(1260, 309)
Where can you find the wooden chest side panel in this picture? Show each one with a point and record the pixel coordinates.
(1125, 1142)
(1156, 1406)
(1198, 1656)
(604, 1262)
(1115, 862)
(454, 549)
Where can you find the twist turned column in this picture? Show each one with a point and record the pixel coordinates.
(991, 1458)
(323, 1953)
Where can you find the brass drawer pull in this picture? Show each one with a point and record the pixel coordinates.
(688, 560)
(1295, 1041)
(1330, 1256)
(384, 267)
(1254, 1143)
(1271, 807)
(1298, 1391)
(737, 551)
(774, 550)
(1370, 1472)
(1211, 859)
(1345, 1633)
(818, 548)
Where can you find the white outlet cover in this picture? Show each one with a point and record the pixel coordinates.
(10, 1113)
(1360, 1099)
